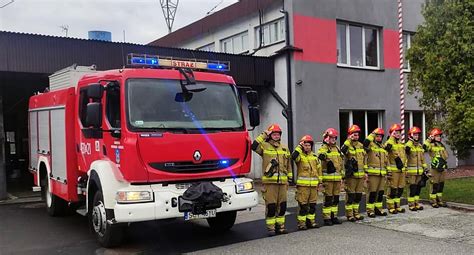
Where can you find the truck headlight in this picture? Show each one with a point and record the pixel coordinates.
(244, 187)
(134, 196)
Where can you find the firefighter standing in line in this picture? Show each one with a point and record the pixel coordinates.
(333, 170)
(439, 157)
(309, 176)
(416, 167)
(396, 169)
(354, 164)
(376, 169)
(276, 167)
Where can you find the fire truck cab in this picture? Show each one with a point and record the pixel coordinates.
(163, 139)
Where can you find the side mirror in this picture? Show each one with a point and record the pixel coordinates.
(95, 91)
(254, 116)
(94, 115)
(183, 97)
(252, 97)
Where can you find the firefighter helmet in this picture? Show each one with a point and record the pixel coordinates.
(274, 128)
(414, 130)
(306, 139)
(378, 131)
(330, 132)
(353, 129)
(395, 127)
(435, 132)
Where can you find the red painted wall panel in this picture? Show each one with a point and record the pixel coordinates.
(390, 49)
(317, 38)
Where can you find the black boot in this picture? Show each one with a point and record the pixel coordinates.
(335, 220)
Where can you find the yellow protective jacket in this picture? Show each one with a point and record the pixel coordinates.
(269, 150)
(377, 158)
(331, 153)
(415, 158)
(308, 166)
(355, 149)
(435, 149)
(395, 149)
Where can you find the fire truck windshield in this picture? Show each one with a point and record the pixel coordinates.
(157, 104)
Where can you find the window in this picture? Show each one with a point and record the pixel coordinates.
(236, 44)
(357, 46)
(83, 100)
(414, 118)
(113, 106)
(209, 47)
(406, 45)
(272, 32)
(366, 120)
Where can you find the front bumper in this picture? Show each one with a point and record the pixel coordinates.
(163, 206)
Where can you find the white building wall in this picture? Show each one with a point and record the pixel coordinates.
(247, 23)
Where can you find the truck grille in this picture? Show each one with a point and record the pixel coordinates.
(191, 167)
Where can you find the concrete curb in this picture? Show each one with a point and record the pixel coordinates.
(453, 205)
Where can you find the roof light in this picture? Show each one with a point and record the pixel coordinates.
(157, 61)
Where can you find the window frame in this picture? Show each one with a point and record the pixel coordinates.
(281, 33)
(231, 39)
(380, 119)
(405, 51)
(348, 48)
(207, 47)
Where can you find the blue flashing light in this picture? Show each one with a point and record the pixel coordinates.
(218, 66)
(150, 61)
(224, 162)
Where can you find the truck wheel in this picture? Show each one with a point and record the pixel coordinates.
(223, 221)
(108, 235)
(54, 204)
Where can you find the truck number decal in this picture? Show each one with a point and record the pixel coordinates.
(86, 148)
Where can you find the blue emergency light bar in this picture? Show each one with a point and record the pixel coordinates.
(170, 62)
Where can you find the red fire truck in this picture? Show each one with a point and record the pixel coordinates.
(125, 145)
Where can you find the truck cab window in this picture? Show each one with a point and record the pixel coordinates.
(113, 107)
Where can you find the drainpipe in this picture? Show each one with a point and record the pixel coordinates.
(289, 110)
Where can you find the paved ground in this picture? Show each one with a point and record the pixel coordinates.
(26, 229)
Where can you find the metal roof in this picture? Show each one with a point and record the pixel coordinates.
(31, 53)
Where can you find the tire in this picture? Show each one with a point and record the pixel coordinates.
(223, 221)
(108, 235)
(55, 205)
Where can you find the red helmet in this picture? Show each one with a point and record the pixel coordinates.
(353, 129)
(435, 132)
(378, 131)
(414, 130)
(395, 127)
(331, 132)
(274, 128)
(307, 139)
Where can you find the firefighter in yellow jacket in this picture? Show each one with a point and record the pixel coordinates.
(309, 176)
(333, 170)
(439, 157)
(354, 165)
(276, 167)
(396, 169)
(376, 169)
(416, 168)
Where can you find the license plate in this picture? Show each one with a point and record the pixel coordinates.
(208, 214)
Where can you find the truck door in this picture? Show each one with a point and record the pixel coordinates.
(112, 146)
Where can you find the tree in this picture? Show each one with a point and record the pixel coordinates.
(442, 65)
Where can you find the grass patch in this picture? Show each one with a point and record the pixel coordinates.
(458, 190)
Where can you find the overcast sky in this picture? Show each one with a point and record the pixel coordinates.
(142, 20)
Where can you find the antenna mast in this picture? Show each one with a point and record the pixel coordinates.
(169, 8)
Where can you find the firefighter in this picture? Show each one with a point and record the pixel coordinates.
(332, 167)
(439, 157)
(396, 169)
(416, 167)
(309, 176)
(276, 167)
(376, 170)
(354, 172)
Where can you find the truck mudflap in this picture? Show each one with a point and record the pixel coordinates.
(171, 201)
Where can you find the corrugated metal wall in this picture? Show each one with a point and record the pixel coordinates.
(46, 54)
